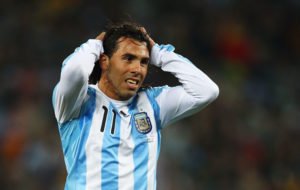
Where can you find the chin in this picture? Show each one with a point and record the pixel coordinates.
(128, 95)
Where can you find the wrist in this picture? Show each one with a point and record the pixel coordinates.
(155, 56)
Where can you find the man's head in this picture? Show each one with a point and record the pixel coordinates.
(124, 64)
(114, 32)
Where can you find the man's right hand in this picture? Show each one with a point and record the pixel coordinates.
(152, 43)
(101, 36)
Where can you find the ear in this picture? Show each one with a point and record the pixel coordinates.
(104, 62)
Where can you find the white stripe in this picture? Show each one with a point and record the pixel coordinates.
(152, 162)
(152, 145)
(126, 164)
(94, 150)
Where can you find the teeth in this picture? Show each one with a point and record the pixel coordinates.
(131, 81)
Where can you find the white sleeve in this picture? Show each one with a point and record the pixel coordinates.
(196, 91)
(71, 89)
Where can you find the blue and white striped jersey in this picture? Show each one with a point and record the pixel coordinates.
(110, 144)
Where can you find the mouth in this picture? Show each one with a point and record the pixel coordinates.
(132, 83)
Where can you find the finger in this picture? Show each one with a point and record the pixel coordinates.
(100, 36)
(150, 39)
(144, 30)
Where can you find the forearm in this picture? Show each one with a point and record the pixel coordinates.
(195, 82)
(73, 84)
(78, 66)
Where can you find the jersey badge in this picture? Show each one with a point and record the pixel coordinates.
(142, 122)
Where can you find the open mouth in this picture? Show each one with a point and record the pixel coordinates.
(132, 81)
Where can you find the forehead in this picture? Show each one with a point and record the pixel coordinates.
(129, 45)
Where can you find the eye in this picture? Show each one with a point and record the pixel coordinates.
(145, 61)
(128, 57)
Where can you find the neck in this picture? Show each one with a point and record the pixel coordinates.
(104, 87)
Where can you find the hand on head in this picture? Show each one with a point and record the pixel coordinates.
(101, 36)
(152, 43)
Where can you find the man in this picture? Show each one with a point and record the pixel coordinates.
(111, 130)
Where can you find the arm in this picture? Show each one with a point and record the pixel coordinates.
(71, 90)
(196, 91)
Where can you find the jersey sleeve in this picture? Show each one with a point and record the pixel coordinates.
(196, 91)
(71, 90)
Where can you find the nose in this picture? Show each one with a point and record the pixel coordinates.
(136, 67)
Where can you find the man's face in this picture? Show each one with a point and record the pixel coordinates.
(124, 72)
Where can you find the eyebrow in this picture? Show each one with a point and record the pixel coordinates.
(133, 56)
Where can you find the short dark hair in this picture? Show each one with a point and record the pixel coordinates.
(113, 32)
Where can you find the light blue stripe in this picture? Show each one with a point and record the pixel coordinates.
(157, 153)
(111, 142)
(74, 135)
(152, 94)
(140, 152)
(140, 157)
(168, 47)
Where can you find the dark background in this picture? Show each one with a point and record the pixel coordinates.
(248, 139)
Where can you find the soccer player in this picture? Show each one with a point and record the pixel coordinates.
(111, 130)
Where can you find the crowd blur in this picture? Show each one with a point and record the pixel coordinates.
(248, 139)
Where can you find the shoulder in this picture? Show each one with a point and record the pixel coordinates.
(91, 89)
(153, 91)
(90, 100)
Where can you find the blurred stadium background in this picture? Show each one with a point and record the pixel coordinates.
(249, 139)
